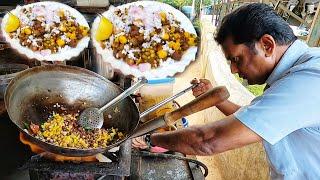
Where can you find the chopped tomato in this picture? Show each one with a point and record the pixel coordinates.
(34, 128)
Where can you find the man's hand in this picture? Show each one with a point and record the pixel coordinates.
(211, 138)
(204, 86)
(226, 107)
(139, 142)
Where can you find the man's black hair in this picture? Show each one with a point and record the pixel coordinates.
(249, 23)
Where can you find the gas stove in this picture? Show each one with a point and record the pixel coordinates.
(117, 167)
(123, 163)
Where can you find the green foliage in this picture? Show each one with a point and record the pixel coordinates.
(256, 90)
(196, 23)
(207, 2)
(179, 3)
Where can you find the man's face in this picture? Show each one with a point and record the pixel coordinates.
(250, 63)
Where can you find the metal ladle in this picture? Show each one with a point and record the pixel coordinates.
(92, 118)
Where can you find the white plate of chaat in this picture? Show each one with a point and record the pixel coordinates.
(46, 31)
(145, 38)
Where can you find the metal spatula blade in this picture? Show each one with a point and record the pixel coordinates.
(92, 118)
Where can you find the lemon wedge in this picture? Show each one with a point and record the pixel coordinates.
(104, 30)
(13, 23)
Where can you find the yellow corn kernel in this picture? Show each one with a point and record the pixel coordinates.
(163, 16)
(60, 42)
(187, 34)
(120, 134)
(171, 44)
(83, 143)
(84, 32)
(27, 31)
(61, 13)
(73, 36)
(176, 36)
(165, 36)
(62, 28)
(162, 54)
(176, 46)
(45, 134)
(122, 39)
(139, 61)
(172, 29)
(73, 28)
(191, 42)
(112, 134)
(67, 139)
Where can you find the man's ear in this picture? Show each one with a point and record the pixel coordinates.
(267, 44)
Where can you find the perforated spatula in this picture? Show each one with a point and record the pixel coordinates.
(92, 118)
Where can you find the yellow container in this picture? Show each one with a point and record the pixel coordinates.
(155, 91)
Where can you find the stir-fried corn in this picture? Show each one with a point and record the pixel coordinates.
(63, 130)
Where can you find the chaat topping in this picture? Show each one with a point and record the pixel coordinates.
(145, 36)
(45, 29)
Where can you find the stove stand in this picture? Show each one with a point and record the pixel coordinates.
(41, 168)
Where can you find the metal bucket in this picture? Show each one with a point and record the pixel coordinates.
(7, 73)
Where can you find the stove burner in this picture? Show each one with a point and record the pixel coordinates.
(41, 168)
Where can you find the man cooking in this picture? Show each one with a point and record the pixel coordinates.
(262, 48)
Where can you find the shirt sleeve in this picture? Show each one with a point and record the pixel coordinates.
(291, 103)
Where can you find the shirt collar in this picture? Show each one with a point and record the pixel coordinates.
(288, 60)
